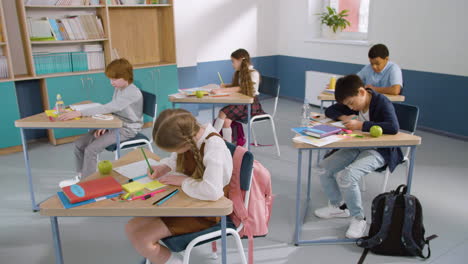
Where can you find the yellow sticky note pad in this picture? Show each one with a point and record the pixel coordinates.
(133, 187)
(154, 185)
(51, 113)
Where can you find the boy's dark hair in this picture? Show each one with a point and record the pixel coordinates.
(347, 86)
(378, 50)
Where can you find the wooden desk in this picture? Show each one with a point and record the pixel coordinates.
(385, 141)
(179, 205)
(327, 97)
(41, 121)
(233, 99)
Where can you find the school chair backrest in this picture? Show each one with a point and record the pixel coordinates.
(246, 167)
(407, 116)
(149, 103)
(270, 86)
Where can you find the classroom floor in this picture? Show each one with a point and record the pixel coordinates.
(440, 183)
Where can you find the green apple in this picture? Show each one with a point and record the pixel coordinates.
(376, 131)
(199, 94)
(105, 167)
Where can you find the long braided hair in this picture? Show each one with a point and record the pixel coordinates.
(246, 84)
(175, 129)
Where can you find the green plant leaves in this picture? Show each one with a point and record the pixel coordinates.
(333, 19)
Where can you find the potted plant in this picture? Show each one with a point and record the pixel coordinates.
(333, 22)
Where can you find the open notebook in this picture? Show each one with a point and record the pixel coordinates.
(138, 169)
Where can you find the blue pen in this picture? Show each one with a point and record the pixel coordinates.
(165, 198)
(137, 178)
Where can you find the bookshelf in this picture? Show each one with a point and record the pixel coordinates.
(4, 48)
(148, 42)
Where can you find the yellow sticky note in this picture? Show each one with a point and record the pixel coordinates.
(51, 113)
(154, 185)
(133, 187)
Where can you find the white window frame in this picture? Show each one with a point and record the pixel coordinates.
(352, 38)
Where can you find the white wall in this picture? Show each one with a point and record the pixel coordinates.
(210, 30)
(424, 35)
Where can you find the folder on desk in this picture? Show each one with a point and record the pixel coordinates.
(87, 190)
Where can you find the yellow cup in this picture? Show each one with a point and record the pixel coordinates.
(332, 83)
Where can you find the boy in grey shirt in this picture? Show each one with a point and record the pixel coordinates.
(126, 104)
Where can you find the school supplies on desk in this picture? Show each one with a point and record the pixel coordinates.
(137, 173)
(87, 190)
(220, 78)
(80, 107)
(146, 159)
(148, 195)
(67, 205)
(133, 187)
(318, 142)
(321, 131)
(165, 198)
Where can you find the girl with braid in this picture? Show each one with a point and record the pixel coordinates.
(203, 164)
(246, 81)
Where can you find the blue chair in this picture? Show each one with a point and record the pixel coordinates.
(269, 86)
(188, 241)
(150, 108)
(408, 120)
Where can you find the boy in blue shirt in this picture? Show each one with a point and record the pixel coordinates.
(381, 75)
(341, 171)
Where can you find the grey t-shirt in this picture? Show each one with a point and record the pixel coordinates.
(126, 104)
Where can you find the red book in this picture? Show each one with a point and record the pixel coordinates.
(87, 190)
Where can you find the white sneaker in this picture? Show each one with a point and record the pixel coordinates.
(332, 211)
(356, 228)
(69, 182)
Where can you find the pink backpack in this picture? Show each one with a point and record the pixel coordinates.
(257, 216)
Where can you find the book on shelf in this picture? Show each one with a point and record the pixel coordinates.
(62, 2)
(39, 29)
(82, 27)
(3, 67)
(136, 2)
(91, 58)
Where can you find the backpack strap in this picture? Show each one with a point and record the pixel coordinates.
(407, 236)
(378, 238)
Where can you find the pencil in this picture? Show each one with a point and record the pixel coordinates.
(167, 197)
(220, 78)
(147, 162)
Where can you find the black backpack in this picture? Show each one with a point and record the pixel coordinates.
(397, 226)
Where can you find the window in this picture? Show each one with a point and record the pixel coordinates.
(358, 16)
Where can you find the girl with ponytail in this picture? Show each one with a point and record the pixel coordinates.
(246, 81)
(201, 164)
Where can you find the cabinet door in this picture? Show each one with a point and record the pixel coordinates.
(145, 80)
(167, 83)
(9, 114)
(100, 88)
(72, 89)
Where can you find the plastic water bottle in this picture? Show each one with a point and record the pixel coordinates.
(305, 113)
(59, 109)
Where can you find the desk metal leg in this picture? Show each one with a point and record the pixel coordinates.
(321, 106)
(411, 168)
(249, 117)
(298, 198)
(117, 141)
(35, 207)
(213, 112)
(223, 239)
(56, 237)
(309, 175)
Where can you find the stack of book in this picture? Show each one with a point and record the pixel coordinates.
(95, 57)
(91, 58)
(80, 27)
(61, 2)
(3, 67)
